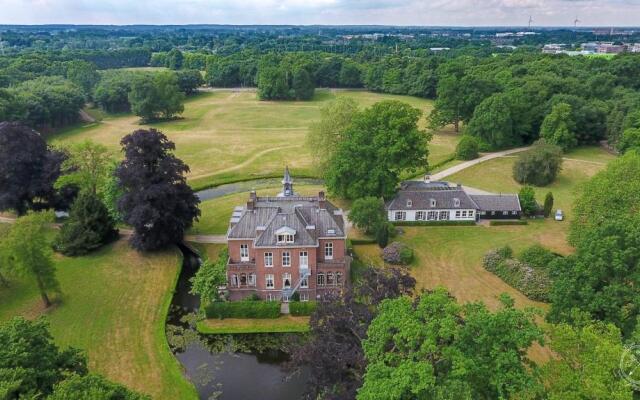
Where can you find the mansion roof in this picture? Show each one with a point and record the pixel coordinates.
(263, 218)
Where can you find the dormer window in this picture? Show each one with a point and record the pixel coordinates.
(432, 202)
(456, 202)
(286, 238)
(409, 203)
(285, 235)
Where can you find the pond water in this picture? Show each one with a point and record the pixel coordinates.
(245, 186)
(228, 366)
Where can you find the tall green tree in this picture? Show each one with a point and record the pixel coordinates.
(31, 363)
(368, 214)
(493, 123)
(325, 135)
(29, 252)
(548, 204)
(587, 365)
(382, 142)
(174, 59)
(601, 279)
(210, 276)
(528, 202)
(434, 348)
(86, 167)
(612, 194)
(273, 83)
(156, 97)
(88, 227)
(539, 166)
(302, 84)
(559, 127)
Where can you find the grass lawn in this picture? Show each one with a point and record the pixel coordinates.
(217, 212)
(113, 306)
(228, 135)
(283, 324)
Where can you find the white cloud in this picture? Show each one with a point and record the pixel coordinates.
(389, 12)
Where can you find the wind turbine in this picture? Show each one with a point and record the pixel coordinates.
(575, 22)
(530, 21)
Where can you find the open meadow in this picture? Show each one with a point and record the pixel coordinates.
(113, 306)
(228, 135)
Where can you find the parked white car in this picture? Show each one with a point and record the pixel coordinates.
(559, 215)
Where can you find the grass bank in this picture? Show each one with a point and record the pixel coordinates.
(283, 324)
(113, 306)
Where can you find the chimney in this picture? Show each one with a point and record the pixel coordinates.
(252, 196)
(427, 178)
(322, 201)
(250, 205)
(459, 185)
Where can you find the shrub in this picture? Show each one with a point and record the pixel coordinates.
(382, 236)
(548, 204)
(505, 252)
(467, 148)
(243, 309)
(300, 308)
(533, 282)
(398, 254)
(538, 166)
(537, 256)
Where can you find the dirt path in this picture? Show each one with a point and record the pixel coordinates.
(457, 168)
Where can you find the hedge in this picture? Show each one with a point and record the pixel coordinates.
(434, 223)
(362, 241)
(302, 308)
(507, 222)
(243, 309)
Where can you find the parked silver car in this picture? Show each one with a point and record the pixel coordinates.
(559, 215)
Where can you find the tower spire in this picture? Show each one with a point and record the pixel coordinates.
(287, 184)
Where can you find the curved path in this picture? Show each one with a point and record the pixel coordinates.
(457, 168)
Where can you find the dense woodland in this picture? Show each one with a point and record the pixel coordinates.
(487, 89)
(383, 339)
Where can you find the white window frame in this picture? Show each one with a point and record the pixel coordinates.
(285, 238)
(270, 278)
(328, 251)
(338, 278)
(286, 276)
(432, 202)
(421, 216)
(400, 215)
(304, 259)
(304, 284)
(268, 259)
(251, 280)
(270, 297)
(432, 216)
(320, 279)
(409, 203)
(244, 252)
(456, 202)
(304, 296)
(331, 279)
(444, 214)
(464, 213)
(234, 280)
(458, 213)
(286, 259)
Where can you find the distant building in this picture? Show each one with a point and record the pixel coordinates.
(553, 48)
(279, 246)
(438, 201)
(610, 48)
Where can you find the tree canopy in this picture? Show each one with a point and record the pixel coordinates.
(381, 142)
(434, 348)
(539, 166)
(157, 202)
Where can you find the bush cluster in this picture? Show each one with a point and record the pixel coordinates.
(398, 254)
(243, 309)
(468, 148)
(531, 279)
(300, 308)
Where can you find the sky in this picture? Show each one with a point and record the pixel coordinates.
(324, 12)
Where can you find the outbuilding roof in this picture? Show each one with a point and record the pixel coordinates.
(497, 202)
